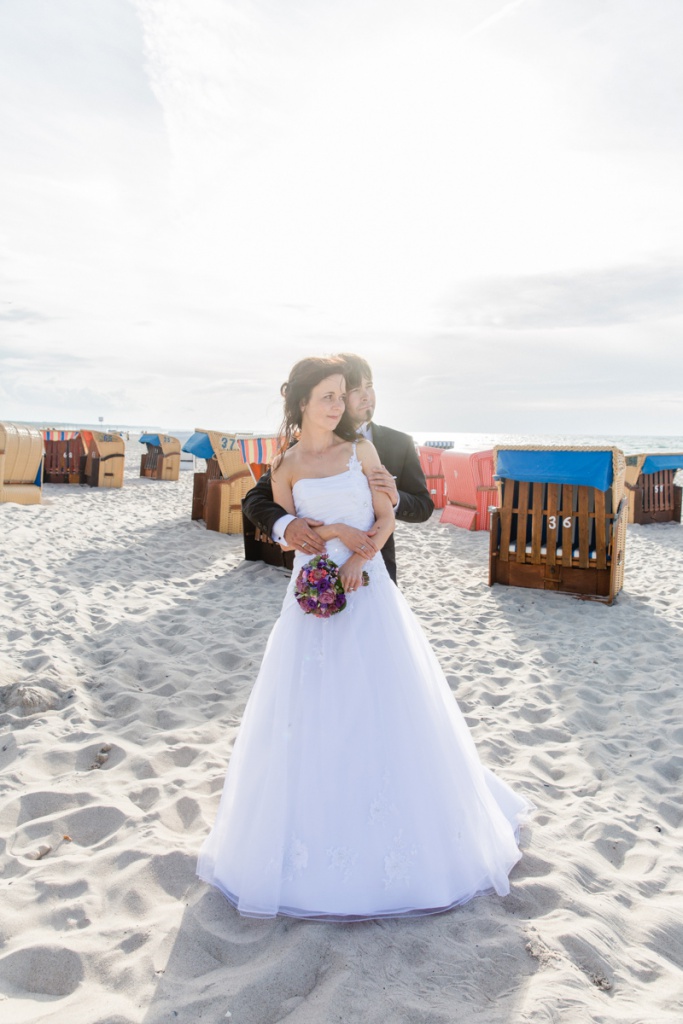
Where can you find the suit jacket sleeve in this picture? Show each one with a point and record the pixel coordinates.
(397, 452)
(259, 507)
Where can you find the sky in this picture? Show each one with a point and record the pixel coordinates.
(481, 197)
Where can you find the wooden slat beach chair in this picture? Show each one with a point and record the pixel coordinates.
(162, 460)
(65, 453)
(470, 489)
(561, 520)
(653, 497)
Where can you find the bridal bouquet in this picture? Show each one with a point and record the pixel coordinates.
(318, 588)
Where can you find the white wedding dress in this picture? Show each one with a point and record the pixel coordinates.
(354, 790)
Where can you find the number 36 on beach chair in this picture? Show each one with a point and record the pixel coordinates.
(560, 523)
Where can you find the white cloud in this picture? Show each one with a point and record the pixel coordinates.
(198, 192)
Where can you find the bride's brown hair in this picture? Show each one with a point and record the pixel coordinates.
(296, 391)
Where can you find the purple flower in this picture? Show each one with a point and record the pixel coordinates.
(318, 590)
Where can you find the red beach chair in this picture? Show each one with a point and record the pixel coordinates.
(470, 489)
(430, 461)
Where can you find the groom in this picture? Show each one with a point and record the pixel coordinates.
(400, 475)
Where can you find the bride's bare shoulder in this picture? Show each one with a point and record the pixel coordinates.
(282, 464)
(367, 453)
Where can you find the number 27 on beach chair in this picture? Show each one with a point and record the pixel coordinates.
(561, 520)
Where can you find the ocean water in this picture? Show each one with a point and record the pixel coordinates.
(630, 444)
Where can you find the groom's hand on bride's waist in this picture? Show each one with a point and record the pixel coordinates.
(301, 535)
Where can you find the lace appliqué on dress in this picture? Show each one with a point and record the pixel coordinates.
(381, 807)
(398, 862)
(295, 859)
(341, 859)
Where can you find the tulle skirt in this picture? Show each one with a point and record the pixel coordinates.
(355, 790)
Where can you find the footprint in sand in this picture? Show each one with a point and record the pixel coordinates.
(42, 970)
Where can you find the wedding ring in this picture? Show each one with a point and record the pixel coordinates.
(305, 544)
(362, 547)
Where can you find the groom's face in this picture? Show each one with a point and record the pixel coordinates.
(360, 402)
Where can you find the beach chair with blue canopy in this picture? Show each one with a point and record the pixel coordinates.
(162, 460)
(218, 490)
(653, 497)
(561, 520)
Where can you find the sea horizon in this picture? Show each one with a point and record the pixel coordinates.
(467, 441)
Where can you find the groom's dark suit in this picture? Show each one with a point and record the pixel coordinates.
(397, 453)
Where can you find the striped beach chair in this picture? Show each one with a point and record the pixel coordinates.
(561, 520)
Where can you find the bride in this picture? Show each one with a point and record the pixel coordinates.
(354, 790)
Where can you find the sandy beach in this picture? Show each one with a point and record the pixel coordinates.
(130, 639)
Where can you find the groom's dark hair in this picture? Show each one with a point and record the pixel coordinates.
(355, 369)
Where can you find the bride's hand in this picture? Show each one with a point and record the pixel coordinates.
(358, 541)
(351, 574)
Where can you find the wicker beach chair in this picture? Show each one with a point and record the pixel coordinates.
(218, 491)
(104, 460)
(653, 497)
(162, 460)
(470, 489)
(21, 464)
(561, 520)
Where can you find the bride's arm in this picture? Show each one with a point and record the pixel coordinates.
(282, 488)
(363, 542)
(352, 570)
(385, 520)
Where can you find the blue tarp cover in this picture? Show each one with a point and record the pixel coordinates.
(654, 463)
(199, 445)
(589, 469)
(150, 439)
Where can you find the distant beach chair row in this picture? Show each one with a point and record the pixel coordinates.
(557, 516)
(32, 456)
